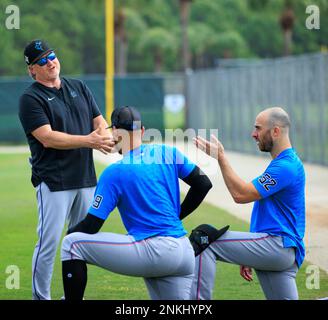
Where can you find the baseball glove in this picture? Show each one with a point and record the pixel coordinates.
(203, 235)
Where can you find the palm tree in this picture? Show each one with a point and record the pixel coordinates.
(201, 38)
(159, 42)
(184, 19)
(287, 20)
(120, 42)
(129, 28)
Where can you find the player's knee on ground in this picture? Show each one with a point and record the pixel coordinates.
(70, 249)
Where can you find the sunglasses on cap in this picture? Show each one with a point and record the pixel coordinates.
(43, 61)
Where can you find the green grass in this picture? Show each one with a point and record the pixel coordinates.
(18, 237)
(174, 120)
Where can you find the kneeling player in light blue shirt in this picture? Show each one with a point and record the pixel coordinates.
(274, 246)
(144, 186)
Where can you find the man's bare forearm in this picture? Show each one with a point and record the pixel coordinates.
(60, 140)
(64, 141)
(236, 186)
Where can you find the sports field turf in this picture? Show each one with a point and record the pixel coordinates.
(18, 238)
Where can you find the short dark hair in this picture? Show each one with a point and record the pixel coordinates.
(127, 117)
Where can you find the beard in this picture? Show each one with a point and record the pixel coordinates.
(266, 144)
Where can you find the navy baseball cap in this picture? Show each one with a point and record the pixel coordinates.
(128, 118)
(35, 50)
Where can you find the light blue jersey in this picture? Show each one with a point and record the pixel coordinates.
(281, 211)
(144, 185)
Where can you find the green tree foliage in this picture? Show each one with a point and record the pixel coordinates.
(230, 44)
(217, 29)
(201, 38)
(263, 36)
(158, 42)
(9, 57)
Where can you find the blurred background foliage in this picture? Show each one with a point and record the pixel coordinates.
(149, 33)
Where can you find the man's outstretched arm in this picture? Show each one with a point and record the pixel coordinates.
(241, 191)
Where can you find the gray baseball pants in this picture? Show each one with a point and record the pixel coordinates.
(54, 208)
(166, 263)
(274, 265)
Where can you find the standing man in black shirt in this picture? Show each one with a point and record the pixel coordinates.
(62, 123)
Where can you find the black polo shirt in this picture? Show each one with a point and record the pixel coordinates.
(71, 109)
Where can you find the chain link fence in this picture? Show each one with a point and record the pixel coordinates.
(228, 99)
